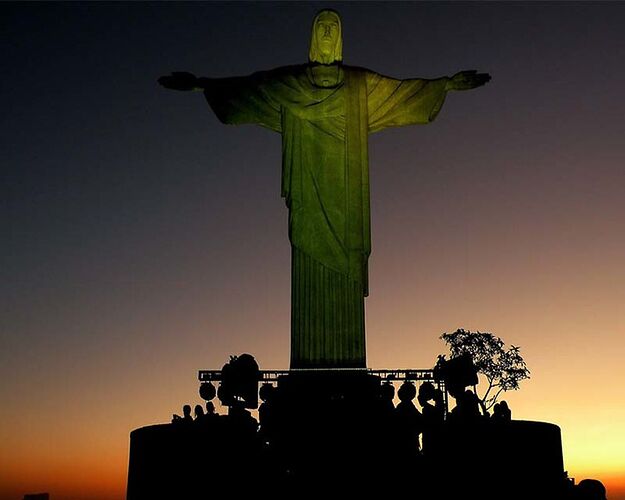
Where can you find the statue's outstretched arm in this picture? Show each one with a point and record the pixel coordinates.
(467, 80)
(183, 81)
(235, 100)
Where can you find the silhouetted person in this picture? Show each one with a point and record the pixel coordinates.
(408, 419)
(501, 412)
(186, 415)
(241, 418)
(439, 404)
(433, 414)
(210, 411)
(199, 413)
(590, 489)
(467, 407)
(387, 393)
(267, 413)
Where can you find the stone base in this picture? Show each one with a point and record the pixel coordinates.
(331, 437)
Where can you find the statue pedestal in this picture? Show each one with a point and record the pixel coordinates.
(331, 432)
(521, 458)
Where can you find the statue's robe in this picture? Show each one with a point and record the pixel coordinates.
(325, 183)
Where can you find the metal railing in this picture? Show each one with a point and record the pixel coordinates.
(386, 375)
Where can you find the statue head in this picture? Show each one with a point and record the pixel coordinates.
(326, 44)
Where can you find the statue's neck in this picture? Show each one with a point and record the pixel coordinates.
(325, 75)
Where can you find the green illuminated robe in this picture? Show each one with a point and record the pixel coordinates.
(325, 183)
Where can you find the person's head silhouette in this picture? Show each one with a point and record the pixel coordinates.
(407, 391)
(426, 393)
(210, 408)
(590, 489)
(199, 412)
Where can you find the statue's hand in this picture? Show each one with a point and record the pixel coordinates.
(179, 80)
(467, 80)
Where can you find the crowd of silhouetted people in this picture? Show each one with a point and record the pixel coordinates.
(407, 422)
(201, 416)
(238, 419)
(404, 430)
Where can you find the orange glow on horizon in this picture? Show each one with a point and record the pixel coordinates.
(66, 476)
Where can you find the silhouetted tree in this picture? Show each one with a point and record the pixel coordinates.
(503, 368)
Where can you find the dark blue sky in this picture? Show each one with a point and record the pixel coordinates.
(105, 171)
(142, 239)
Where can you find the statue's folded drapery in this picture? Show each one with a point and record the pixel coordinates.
(325, 183)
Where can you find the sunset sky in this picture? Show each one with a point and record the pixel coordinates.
(142, 240)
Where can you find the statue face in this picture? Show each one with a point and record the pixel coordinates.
(326, 44)
(327, 32)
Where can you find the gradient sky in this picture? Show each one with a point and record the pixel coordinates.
(142, 240)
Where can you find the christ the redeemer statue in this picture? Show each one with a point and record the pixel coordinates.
(325, 112)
